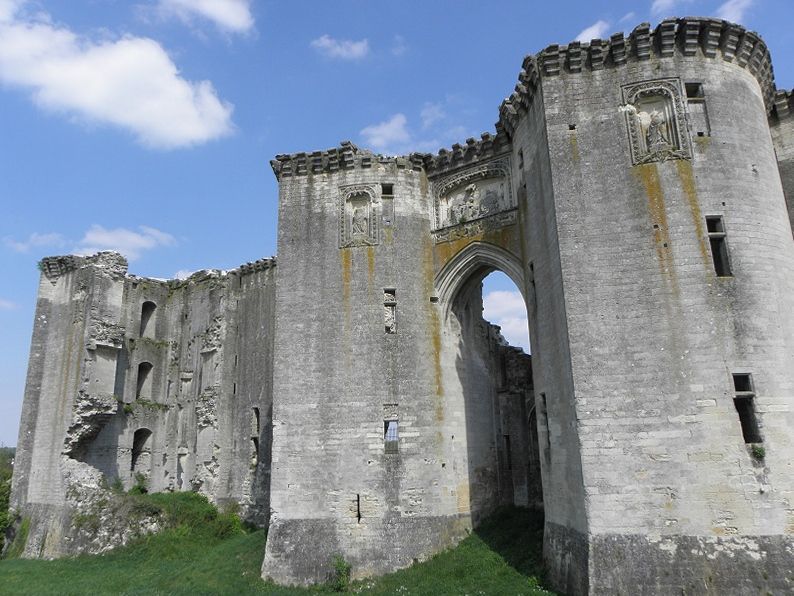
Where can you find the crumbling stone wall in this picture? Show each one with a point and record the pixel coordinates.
(137, 379)
(632, 192)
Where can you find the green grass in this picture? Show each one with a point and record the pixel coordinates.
(206, 552)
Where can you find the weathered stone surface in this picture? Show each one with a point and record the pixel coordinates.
(354, 396)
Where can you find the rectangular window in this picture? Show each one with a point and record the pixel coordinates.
(387, 190)
(390, 310)
(508, 454)
(744, 401)
(696, 108)
(715, 227)
(391, 437)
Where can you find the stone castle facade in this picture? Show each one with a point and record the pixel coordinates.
(352, 397)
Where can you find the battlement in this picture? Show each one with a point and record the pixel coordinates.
(688, 36)
(116, 264)
(473, 151)
(345, 157)
(783, 104)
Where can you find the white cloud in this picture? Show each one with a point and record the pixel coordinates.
(130, 83)
(343, 49)
(629, 16)
(128, 242)
(597, 30)
(432, 113)
(507, 309)
(733, 10)
(35, 240)
(399, 47)
(230, 15)
(387, 134)
(7, 304)
(666, 7)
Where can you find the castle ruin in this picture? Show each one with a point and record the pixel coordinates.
(351, 397)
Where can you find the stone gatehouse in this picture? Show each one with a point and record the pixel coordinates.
(353, 398)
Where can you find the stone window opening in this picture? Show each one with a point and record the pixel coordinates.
(358, 508)
(147, 319)
(387, 189)
(744, 401)
(391, 436)
(255, 422)
(390, 310)
(144, 383)
(520, 159)
(254, 451)
(696, 107)
(715, 227)
(141, 451)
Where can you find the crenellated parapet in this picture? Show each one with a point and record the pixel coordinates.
(345, 157)
(472, 152)
(689, 36)
(257, 266)
(110, 262)
(783, 104)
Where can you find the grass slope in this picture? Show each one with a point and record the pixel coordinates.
(204, 552)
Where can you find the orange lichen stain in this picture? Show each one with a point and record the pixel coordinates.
(388, 235)
(649, 176)
(574, 147)
(434, 325)
(688, 183)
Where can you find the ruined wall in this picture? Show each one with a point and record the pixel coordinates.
(648, 138)
(165, 382)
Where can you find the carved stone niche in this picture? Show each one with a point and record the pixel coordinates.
(655, 118)
(358, 215)
(473, 201)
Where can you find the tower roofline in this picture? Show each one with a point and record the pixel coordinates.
(687, 36)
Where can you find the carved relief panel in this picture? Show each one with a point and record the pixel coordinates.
(358, 224)
(656, 121)
(470, 202)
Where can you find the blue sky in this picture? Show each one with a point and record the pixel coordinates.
(147, 125)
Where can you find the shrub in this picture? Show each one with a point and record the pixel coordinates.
(758, 452)
(340, 578)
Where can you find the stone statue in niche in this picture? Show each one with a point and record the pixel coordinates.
(358, 223)
(654, 113)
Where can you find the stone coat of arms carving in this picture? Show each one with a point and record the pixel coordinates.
(472, 201)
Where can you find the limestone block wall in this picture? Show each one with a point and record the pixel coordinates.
(358, 344)
(554, 423)
(656, 334)
(162, 381)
